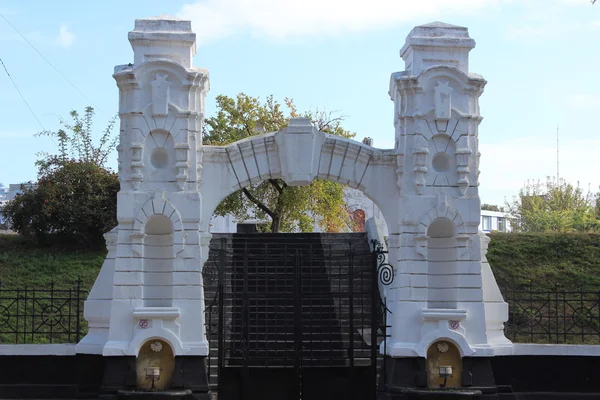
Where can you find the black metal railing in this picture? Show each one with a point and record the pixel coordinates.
(55, 315)
(552, 316)
(42, 315)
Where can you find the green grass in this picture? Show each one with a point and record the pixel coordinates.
(23, 264)
(569, 262)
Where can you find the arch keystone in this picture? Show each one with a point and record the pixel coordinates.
(299, 151)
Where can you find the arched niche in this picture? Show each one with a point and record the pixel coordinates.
(158, 262)
(159, 157)
(155, 353)
(441, 264)
(443, 353)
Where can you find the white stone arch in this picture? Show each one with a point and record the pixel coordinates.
(440, 334)
(442, 211)
(156, 333)
(158, 206)
(271, 156)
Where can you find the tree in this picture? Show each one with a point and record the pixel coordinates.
(490, 207)
(288, 208)
(75, 196)
(551, 206)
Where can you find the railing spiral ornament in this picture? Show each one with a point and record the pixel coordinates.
(385, 270)
(386, 273)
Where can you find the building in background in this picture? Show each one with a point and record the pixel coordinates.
(14, 189)
(497, 221)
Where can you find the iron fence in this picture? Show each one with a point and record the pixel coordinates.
(55, 315)
(42, 315)
(552, 316)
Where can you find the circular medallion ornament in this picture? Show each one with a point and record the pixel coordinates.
(51, 315)
(454, 325)
(143, 323)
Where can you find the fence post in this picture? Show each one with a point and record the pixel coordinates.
(78, 311)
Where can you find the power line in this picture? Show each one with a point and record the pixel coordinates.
(21, 94)
(52, 65)
(25, 100)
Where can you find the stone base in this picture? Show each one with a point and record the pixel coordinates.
(525, 377)
(190, 373)
(406, 378)
(434, 394)
(50, 376)
(171, 394)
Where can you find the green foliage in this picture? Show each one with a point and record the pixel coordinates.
(555, 207)
(490, 207)
(74, 199)
(75, 141)
(290, 209)
(74, 202)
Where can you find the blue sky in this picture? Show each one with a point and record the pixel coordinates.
(540, 58)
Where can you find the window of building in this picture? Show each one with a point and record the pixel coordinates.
(502, 224)
(487, 223)
(358, 217)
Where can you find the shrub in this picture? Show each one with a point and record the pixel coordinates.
(74, 202)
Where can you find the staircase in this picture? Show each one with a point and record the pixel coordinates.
(290, 299)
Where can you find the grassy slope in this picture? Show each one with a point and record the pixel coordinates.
(24, 265)
(569, 261)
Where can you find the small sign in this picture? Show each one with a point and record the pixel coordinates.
(143, 323)
(454, 325)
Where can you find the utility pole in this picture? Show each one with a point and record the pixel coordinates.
(557, 160)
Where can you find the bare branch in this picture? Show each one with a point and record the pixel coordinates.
(258, 203)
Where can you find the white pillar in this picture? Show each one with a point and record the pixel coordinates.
(156, 287)
(440, 292)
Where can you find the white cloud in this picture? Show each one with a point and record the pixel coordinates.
(214, 19)
(65, 38)
(506, 166)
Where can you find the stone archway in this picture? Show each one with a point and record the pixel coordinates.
(430, 174)
(273, 156)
